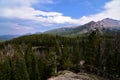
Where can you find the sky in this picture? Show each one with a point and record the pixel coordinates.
(31, 16)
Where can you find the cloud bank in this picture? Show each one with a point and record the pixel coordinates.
(23, 17)
(111, 10)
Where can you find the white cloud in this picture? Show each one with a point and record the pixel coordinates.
(22, 9)
(46, 2)
(37, 15)
(16, 3)
(111, 10)
(16, 26)
(20, 29)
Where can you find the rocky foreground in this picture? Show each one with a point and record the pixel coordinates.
(68, 75)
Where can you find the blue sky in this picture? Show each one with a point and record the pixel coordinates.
(30, 16)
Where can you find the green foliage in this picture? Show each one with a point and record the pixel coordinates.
(66, 62)
(5, 70)
(37, 57)
(92, 48)
(19, 69)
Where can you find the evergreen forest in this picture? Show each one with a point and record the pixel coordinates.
(40, 56)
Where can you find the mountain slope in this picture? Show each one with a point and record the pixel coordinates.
(106, 24)
(109, 23)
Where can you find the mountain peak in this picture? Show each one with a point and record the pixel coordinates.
(107, 19)
(108, 22)
(91, 22)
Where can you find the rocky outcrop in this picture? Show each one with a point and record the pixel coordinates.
(68, 75)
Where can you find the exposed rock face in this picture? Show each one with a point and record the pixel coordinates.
(67, 75)
(109, 23)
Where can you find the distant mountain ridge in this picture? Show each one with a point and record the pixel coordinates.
(106, 24)
(8, 37)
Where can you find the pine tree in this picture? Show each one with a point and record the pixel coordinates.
(92, 49)
(18, 67)
(5, 69)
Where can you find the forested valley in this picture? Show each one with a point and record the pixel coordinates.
(40, 56)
